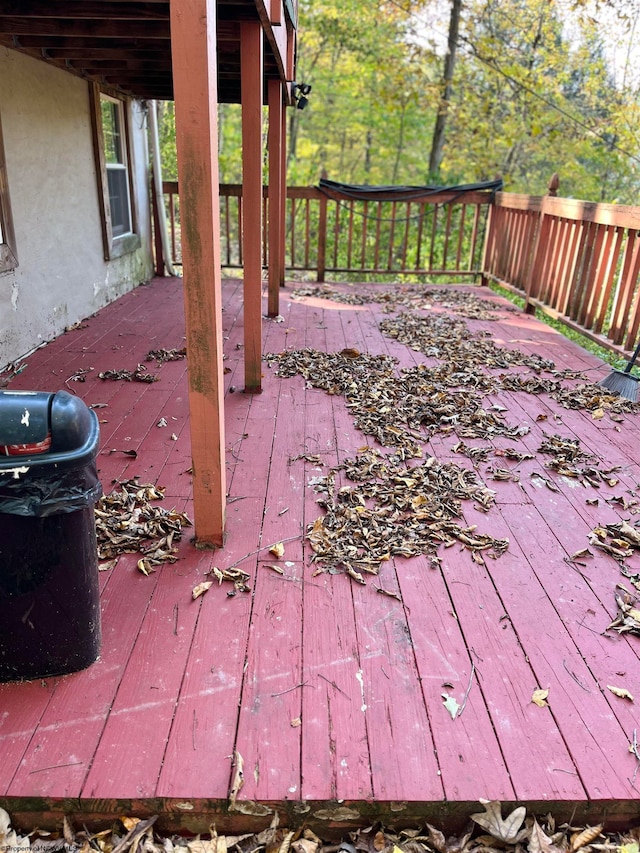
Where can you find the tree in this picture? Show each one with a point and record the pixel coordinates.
(437, 143)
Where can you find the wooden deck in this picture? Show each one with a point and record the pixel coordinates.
(330, 692)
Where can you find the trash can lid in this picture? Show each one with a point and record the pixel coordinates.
(44, 428)
(24, 421)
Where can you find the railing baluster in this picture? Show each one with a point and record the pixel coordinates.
(405, 241)
(307, 234)
(434, 225)
(612, 255)
(292, 232)
(392, 230)
(420, 229)
(626, 289)
(365, 227)
(463, 210)
(322, 238)
(376, 252)
(336, 235)
(447, 236)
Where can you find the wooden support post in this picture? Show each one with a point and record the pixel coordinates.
(251, 51)
(283, 198)
(276, 108)
(193, 41)
(158, 252)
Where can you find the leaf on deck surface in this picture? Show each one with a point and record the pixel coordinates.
(628, 619)
(412, 296)
(140, 374)
(622, 692)
(200, 589)
(451, 705)
(234, 575)
(394, 509)
(238, 779)
(539, 698)
(128, 523)
(162, 355)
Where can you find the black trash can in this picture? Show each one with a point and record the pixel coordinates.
(49, 595)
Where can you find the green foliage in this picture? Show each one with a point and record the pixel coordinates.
(167, 134)
(534, 92)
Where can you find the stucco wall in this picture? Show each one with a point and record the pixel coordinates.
(62, 276)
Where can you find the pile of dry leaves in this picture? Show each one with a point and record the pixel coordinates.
(128, 522)
(400, 409)
(461, 302)
(402, 509)
(487, 832)
(467, 356)
(396, 510)
(140, 373)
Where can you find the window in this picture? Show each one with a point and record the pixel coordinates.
(116, 165)
(113, 156)
(8, 257)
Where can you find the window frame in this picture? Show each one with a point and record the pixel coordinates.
(8, 253)
(115, 246)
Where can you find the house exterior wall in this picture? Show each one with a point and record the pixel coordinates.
(62, 276)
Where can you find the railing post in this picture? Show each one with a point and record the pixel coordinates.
(322, 237)
(157, 238)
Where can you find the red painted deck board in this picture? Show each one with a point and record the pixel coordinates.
(330, 692)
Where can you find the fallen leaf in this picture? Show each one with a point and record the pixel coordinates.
(621, 692)
(296, 722)
(539, 698)
(507, 830)
(305, 845)
(540, 842)
(277, 550)
(451, 705)
(581, 839)
(238, 779)
(201, 589)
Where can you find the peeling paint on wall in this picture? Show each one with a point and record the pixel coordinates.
(63, 276)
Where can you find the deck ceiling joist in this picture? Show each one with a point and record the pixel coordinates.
(123, 44)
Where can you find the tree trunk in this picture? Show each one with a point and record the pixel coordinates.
(367, 152)
(399, 147)
(437, 144)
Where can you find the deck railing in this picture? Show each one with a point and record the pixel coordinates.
(577, 261)
(328, 232)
